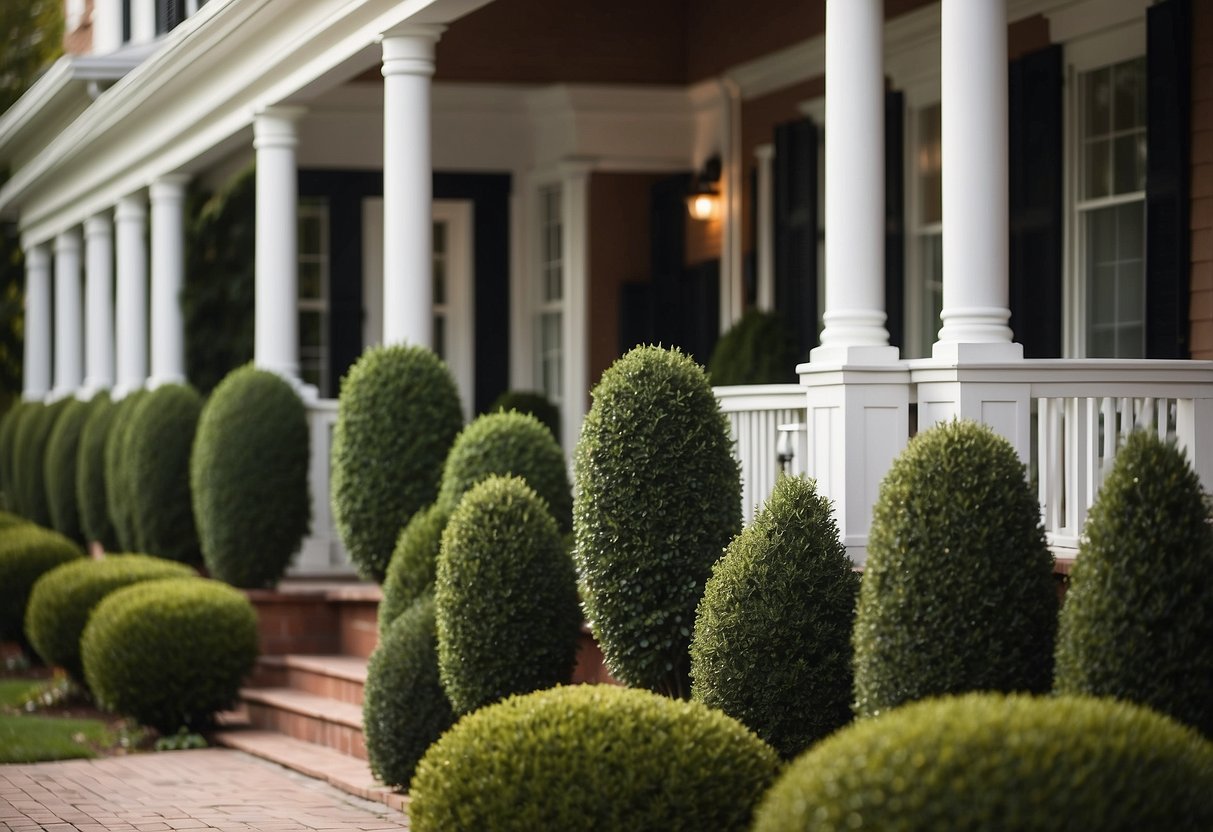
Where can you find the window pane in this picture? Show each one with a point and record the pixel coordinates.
(1131, 230)
(931, 247)
(440, 336)
(311, 329)
(311, 280)
(1097, 102)
(439, 280)
(1097, 169)
(1130, 163)
(930, 164)
(439, 237)
(1115, 269)
(1129, 82)
(309, 233)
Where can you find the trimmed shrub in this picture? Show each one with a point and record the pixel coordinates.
(248, 478)
(91, 485)
(414, 564)
(9, 520)
(158, 447)
(119, 488)
(26, 553)
(59, 469)
(1010, 763)
(170, 652)
(506, 595)
(1138, 619)
(62, 599)
(8, 448)
(597, 757)
(396, 418)
(532, 402)
(772, 645)
(758, 349)
(658, 499)
(32, 436)
(509, 444)
(405, 709)
(957, 592)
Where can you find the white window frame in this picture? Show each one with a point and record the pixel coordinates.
(540, 305)
(916, 229)
(320, 209)
(460, 297)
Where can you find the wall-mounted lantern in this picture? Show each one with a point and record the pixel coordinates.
(703, 202)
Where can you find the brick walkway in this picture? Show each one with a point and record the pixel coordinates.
(205, 789)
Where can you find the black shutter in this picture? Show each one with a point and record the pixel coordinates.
(1036, 182)
(795, 180)
(895, 217)
(168, 14)
(1168, 99)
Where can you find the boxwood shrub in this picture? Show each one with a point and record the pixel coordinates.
(32, 436)
(248, 478)
(9, 520)
(59, 469)
(404, 709)
(758, 349)
(658, 499)
(958, 590)
(414, 563)
(26, 553)
(772, 645)
(597, 757)
(8, 445)
(91, 485)
(396, 418)
(170, 652)
(1138, 619)
(509, 443)
(119, 485)
(506, 595)
(1010, 763)
(534, 403)
(62, 599)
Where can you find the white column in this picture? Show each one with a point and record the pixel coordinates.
(37, 366)
(107, 26)
(143, 20)
(130, 231)
(276, 330)
(99, 304)
(408, 64)
(167, 196)
(69, 350)
(764, 231)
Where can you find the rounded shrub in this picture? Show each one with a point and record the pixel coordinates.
(506, 595)
(8, 445)
(957, 592)
(405, 709)
(1138, 619)
(414, 564)
(59, 469)
(158, 448)
(658, 499)
(8, 520)
(993, 762)
(534, 403)
(119, 487)
(33, 434)
(248, 478)
(758, 349)
(396, 418)
(91, 485)
(62, 599)
(772, 645)
(592, 757)
(26, 553)
(171, 652)
(509, 444)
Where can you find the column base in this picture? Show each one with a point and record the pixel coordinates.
(993, 352)
(854, 355)
(160, 381)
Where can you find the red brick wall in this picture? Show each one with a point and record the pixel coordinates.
(80, 40)
(1201, 309)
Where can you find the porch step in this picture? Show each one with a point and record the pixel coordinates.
(307, 717)
(341, 678)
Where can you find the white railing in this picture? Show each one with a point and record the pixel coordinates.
(322, 553)
(755, 414)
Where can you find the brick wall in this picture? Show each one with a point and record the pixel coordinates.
(1201, 309)
(79, 40)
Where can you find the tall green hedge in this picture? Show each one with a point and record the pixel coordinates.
(33, 434)
(59, 469)
(91, 485)
(414, 564)
(119, 487)
(758, 349)
(658, 499)
(26, 553)
(8, 446)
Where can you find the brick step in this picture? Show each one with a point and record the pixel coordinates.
(307, 717)
(341, 678)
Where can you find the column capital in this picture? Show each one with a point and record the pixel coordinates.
(275, 126)
(131, 207)
(409, 49)
(169, 186)
(38, 256)
(99, 224)
(68, 240)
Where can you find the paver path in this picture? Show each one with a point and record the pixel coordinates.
(204, 789)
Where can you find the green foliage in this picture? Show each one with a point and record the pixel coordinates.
(509, 443)
(28, 738)
(171, 652)
(772, 645)
(248, 478)
(26, 552)
(659, 497)
(958, 591)
(62, 599)
(12, 309)
(119, 485)
(9, 520)
(33, 32)
(1138, 619)
(397, 416)
(183, 740)
(597, 757)
(758, 349)
(534, 403)
(405, 709)
(33, 434)
(414, 564)
(91, 484)
(158, 447)
(506, 595)
(1003, 764)
(59, 469)
(8, 449)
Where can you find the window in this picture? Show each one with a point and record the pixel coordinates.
(549, 368)
(314, 266)
(925, 293)
(441, 310)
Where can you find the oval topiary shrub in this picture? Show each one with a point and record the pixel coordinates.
(59, 469)
(597, 757)
(659, 497)
(26, 553)
(992, 762)
(91, 484)
(171, 652)
(1138, 619)
(119, 488)
(8, 520)
(506, 595)
(509, 444)
(158, 446)
(396, 418)
(958, 590)
(405, 709)
(62, 599)
(32, 436)
(758, 349)
(414, 564)
(248, 478)
(772, 645)
(532, 402)
(8, 446)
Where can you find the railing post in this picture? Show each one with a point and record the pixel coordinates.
(1191, 416)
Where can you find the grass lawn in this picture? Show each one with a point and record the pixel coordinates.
(28, 738)
(14, 692)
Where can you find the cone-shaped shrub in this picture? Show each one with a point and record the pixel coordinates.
(171, 652)
(119, 485)
(158, 448)
(526, 401)
(8, 447)
(405, 709)
(248, 478)
(59, 469)
(772, 644)
(396, 418)
(958, 591)
(658, 499)
(1138, 619)
(33, 434)
(509, 444)
(758, 349)
(414, 564)
(91, 485)
(26, 553)
(63, 598)
(1007, 763)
